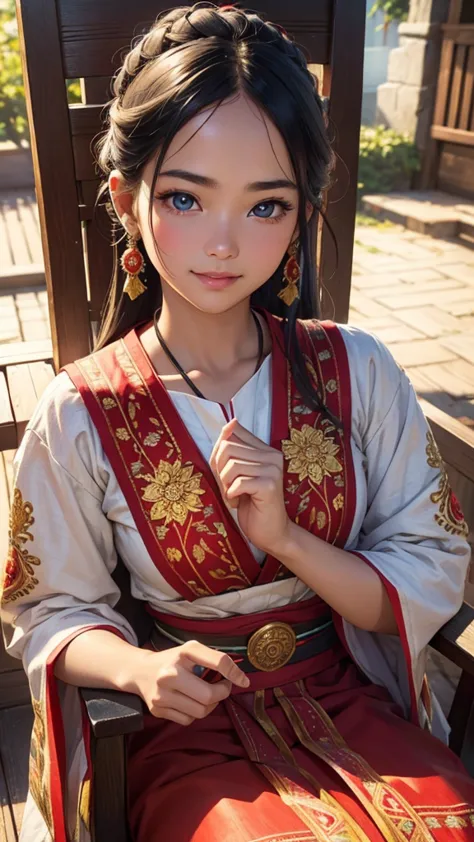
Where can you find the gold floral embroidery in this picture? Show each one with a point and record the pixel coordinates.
(311, 453)
(432, 451)
(85, 803)
(432, 822)
(168, 485)
(152, 439)
(39, 785)
(174, 490)
(122, 433)
(450, 515)
(455, 821)
(198, 553)
(172, 554)
(463, 819)
(220, 528)
(321, 520)
(338, 502)
(108, 403)
(331, 386)
(19, 577)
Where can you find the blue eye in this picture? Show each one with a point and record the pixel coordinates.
(182, 201)
(267, 209)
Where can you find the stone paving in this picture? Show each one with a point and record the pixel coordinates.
(417, 295)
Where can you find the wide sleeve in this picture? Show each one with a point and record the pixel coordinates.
(57, 583)
(413, 532)
(58, 572)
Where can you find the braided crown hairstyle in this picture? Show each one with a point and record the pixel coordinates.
(194, 58)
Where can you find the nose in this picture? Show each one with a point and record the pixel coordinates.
(222, 244)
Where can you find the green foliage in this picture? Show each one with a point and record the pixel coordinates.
(387, 160)
(13, 124)
(393, 10)
(13, 120)
(73, 90)
(365, 221)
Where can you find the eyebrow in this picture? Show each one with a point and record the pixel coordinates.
(205, 181)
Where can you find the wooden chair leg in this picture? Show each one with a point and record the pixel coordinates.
(109, 801)
(461, 720)
(467, 752)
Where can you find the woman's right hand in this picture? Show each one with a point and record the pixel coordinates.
(171, 690)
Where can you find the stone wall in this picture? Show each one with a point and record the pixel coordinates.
(405, 102)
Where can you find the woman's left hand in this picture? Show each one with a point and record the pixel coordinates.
(250, 476)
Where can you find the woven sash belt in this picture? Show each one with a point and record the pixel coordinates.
(268, 648)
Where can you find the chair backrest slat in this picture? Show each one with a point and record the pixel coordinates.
(345, 103)
(94, 34)
(64, 39)
(55, 179)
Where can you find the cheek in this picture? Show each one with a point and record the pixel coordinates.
(265, 244)
(168, 234)
(175, 240)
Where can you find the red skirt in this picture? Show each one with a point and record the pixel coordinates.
(310, 752)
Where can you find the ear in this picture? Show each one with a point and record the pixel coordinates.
(123, 199)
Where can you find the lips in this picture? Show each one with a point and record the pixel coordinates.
(216, 275)
(216, 280)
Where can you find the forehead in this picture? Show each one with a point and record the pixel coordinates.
(235, 142)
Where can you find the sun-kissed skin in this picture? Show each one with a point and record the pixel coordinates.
(221, 229)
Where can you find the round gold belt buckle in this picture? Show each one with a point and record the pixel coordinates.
(271, 647)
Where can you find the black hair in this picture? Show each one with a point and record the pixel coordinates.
(216, 53)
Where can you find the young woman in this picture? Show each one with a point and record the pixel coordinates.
(270, 483)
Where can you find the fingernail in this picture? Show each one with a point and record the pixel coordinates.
(245, 681)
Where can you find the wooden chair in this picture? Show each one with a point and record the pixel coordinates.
(65, 39)
(84, 39)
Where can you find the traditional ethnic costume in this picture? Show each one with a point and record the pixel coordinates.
(332, 739)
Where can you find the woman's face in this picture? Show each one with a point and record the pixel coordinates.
(224, 203)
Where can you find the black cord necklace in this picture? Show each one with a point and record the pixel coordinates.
(181, 371)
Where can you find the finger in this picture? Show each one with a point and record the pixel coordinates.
(203, 692)
(238, 468)
(189, 706)
(224, 434)
(173, 715)
(197, 653)
(259, 488)
(247, 437)
(234, 449)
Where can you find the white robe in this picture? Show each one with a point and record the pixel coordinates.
(81, 522)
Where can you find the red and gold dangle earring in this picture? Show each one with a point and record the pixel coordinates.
(133, 264)
(292, 275)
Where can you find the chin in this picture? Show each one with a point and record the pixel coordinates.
(215, 302)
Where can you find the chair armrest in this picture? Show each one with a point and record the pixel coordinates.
(456, 639)
(112, 713)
